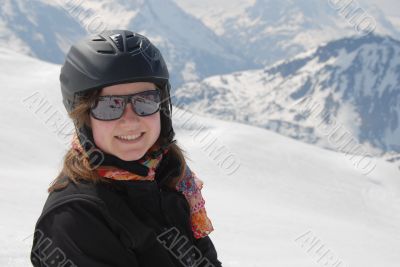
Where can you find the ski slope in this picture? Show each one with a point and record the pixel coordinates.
(279, 199)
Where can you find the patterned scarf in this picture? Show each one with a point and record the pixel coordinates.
(190, 185)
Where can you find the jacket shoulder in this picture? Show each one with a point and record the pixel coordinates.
(101, 200)
(80, 191)
(67, 232)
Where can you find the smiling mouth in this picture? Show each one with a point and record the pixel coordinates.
(132, 137)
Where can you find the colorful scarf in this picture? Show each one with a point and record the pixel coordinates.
(190, 186)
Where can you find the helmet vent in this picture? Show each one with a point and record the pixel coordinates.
(118, 41)
(105, 52)
(98, 38)
(103, 47)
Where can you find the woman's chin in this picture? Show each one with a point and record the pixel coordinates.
(131, 156)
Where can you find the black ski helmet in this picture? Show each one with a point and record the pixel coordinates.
(113, 57)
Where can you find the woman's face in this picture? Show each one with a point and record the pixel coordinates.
(107, 134)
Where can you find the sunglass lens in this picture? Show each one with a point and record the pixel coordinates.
(108, 108)
(146, 103)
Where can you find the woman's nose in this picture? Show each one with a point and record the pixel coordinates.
(129, 114)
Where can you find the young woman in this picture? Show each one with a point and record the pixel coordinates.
(125, 196)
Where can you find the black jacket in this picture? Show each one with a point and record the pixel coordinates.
(120, 224)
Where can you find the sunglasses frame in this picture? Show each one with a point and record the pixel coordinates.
(126, 99)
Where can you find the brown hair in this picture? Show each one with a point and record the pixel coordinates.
(75, 168)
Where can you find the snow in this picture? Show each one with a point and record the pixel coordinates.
(281, 193)
(288, 188)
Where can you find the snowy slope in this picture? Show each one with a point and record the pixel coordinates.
(352, 85)
(266, 194)
(269, 30)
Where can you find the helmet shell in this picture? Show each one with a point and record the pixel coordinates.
(112, 57)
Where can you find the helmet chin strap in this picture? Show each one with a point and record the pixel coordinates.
(98, 157)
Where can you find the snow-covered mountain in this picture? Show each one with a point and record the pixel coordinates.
(37, 29)
(285, 196)
(340, 95)
(269, 30)
(45, 29)
(193, 50)
(251, 35)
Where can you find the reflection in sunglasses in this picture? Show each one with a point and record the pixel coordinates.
(118, 103)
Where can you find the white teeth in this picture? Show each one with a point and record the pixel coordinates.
(129, 137)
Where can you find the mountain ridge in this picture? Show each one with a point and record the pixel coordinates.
(355, 82)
